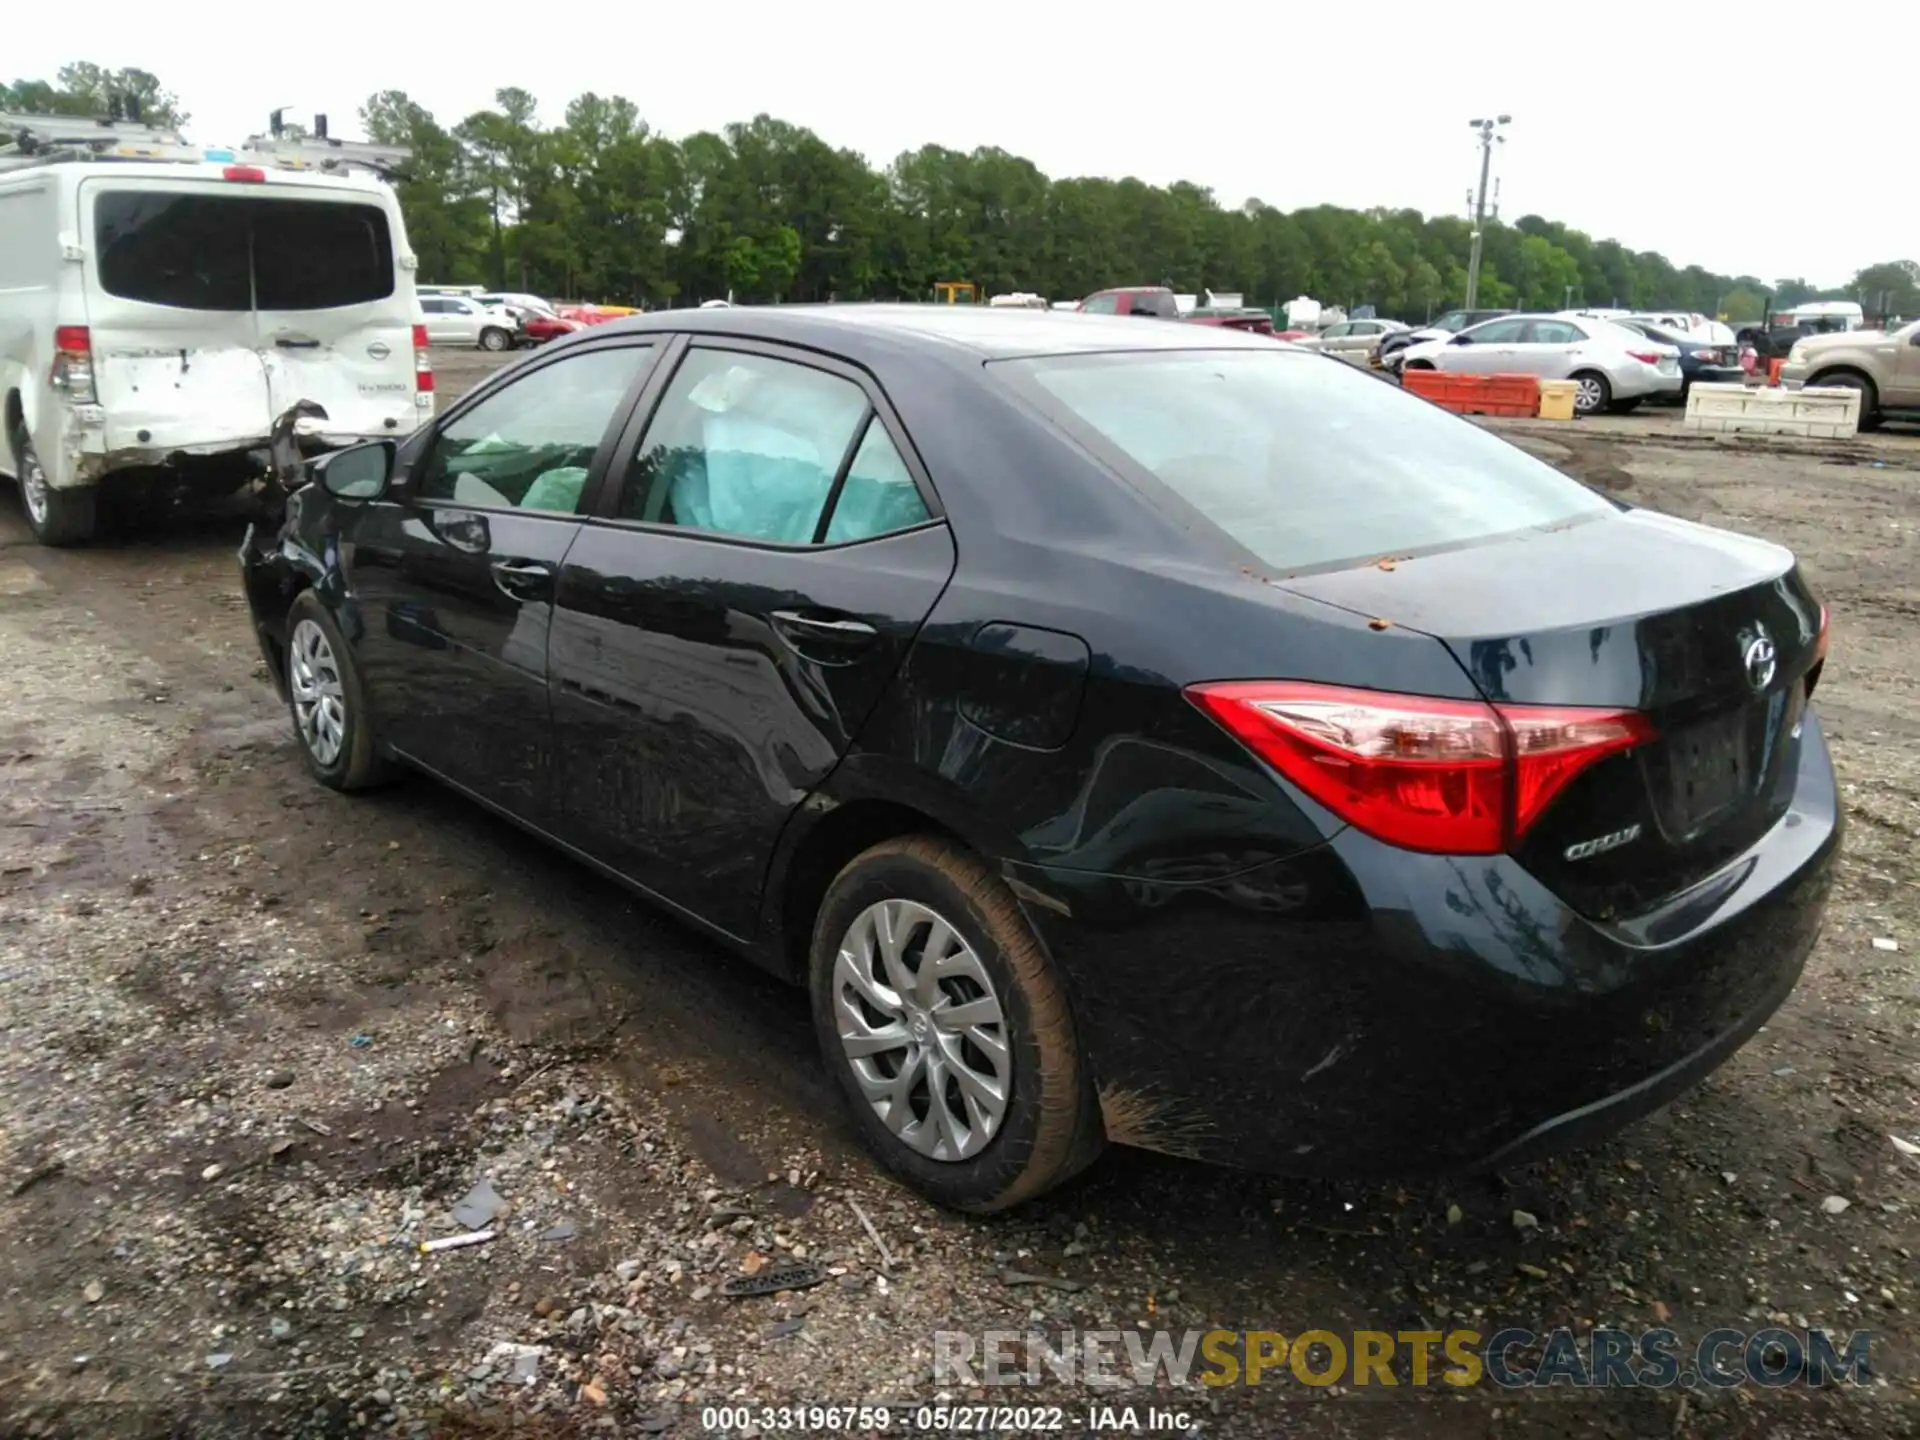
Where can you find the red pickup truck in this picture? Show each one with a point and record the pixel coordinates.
(1157, 302)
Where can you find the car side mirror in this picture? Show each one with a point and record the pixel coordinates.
(1461, 340)
(359, 472)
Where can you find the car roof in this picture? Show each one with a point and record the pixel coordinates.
(977, 331)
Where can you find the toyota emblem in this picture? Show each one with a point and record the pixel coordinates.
(378, 350)
(1760, 659)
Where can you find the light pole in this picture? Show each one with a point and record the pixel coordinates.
(1489, 132)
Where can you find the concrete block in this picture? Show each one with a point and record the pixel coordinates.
(1829, 413)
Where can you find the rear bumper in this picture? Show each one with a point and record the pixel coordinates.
(1644, 383)
(97, 463)
(1363, 1011)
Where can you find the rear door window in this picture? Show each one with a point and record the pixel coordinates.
(878, 496)
(1553, 332)
(235, 253)
(745, 445)
(1497, 332)
(188, 252)
(1301, 464)
(320, 255)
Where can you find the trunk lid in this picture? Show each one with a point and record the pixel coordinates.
(1712, 636)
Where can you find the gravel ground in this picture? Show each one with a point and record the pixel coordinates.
(260, 1042)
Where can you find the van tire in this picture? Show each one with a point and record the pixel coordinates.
(496, 339)
(56, 517)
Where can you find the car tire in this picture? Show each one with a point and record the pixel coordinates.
(326, 699)
(1869, 395)
(1625, 407)
(495, 339)
(1594, 394)
(56, 517)
(1020, 1046)
(1417, 365)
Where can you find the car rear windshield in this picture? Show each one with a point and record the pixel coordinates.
(220, 252)
(1301, 460)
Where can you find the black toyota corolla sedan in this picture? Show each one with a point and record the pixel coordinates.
(1137, 733)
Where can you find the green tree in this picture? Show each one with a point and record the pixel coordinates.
(1741, 306)
(601, 206)
(445, 219)
(84, 88)
(1889, 288)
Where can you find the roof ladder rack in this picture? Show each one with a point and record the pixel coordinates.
(36, 139)
(29, 140)
(319, 152)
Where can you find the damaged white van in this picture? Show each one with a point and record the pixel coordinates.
(160, 304)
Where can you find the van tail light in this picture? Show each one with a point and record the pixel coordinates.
(422, 362)
(245, 174)
(1450, 777)
(72, 370)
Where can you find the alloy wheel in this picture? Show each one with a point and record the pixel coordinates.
(1591, 396)
(923, 1029)
(319, 696)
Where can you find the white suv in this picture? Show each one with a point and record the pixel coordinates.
(462, 320)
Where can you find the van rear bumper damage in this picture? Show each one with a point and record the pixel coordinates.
(245, 457)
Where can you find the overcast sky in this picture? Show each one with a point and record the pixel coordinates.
(1627, 117)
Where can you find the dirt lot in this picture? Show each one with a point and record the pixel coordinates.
(260, 1039)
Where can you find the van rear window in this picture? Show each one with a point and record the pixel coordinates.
(219, 252)
(1302, 460)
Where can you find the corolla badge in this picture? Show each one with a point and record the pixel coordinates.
(1600, 844)
(1760, 659)
(378, 350)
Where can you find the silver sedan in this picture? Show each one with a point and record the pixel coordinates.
(1354, 340)
(1615, 368)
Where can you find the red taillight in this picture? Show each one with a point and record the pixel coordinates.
(422, 362)
(246, 174)
(72, 368)
(1455, 777)
(1645, 357)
